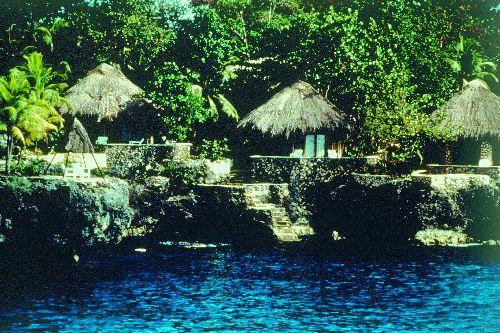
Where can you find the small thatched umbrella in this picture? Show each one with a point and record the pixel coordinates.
(78, 142)
(104, 93)
(298, 107)
(474, 113)
(78, 139)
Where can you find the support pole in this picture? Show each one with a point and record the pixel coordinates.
(95, 160)
(50, 163)
(66, 164)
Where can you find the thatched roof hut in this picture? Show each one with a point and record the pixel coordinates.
(474, 112)
(104, 93)
(78, 140)
(297, 108)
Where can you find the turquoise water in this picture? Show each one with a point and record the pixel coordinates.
(275, 290)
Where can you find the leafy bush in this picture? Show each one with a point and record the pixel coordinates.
(182, 175)
(99, 172)
(213, 150)
(395, 126)
(182, 109)
(36, 167)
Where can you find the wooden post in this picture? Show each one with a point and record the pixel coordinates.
(50, 163)
(448, 157)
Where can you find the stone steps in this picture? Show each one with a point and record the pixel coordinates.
(239, 176)
(258, 198)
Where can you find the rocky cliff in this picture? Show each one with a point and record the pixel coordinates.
(442, 210)
(51, 211)
(434, 210)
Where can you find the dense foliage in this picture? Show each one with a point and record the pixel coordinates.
(29, 97)
(387, 63)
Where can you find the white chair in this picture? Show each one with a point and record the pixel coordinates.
(332, 153)
(77, 171)
(136, 142)
(102, 140)
(297, 153)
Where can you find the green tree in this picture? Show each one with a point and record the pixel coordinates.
(469, 62)
(205, 48)
(29, 97)
(134, 34)
(178, 108)
(30, 22)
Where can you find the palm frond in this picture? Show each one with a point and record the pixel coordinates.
(46, 36)
(227, 107)
(18, 135)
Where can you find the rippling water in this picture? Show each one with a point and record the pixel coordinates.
(275, 290)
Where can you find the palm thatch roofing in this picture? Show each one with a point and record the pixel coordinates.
(78, 140)
(297, 108)
(473, 112)
(104, 92)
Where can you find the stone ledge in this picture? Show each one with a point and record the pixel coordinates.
(493, 171)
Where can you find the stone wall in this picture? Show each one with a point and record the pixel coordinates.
(279, 169)
(134, 161)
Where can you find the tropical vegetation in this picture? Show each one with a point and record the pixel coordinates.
(29, 97)
(388, 64)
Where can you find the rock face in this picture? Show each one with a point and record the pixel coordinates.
(367, 208)
(254, 213)
(434, 210)
(63, 212)
(163, 208)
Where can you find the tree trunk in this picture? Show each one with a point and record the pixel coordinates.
(448, 155)
(10, 149)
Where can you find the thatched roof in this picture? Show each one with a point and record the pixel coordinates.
(104, 92)
(296, 108)
(79, 141)
(473, 112)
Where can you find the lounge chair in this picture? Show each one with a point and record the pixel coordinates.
(102, 140)
(297, 153)
(136, 142)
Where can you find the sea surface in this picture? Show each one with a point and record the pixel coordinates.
(273, 290)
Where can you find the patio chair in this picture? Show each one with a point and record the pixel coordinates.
(102, 140)
(77, 171)
(297, 153)
(136, 142)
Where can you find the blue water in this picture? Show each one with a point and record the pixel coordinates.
(274, 290)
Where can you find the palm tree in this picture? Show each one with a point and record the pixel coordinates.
(28, 103)
(469, 63)
(217, 102)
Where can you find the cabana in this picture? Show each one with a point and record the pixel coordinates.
(474, 115)
(100, 97)
(298, 109)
